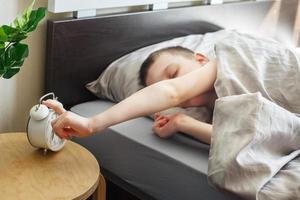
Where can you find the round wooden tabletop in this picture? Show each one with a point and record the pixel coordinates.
(26, 173)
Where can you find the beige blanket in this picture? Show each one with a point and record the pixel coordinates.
(256, 131)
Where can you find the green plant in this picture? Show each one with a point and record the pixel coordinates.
(12, 51)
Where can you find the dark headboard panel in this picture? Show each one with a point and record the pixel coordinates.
(78, 50)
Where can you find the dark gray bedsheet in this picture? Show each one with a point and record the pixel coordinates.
(168, 169)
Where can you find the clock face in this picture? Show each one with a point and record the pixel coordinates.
(54, 142)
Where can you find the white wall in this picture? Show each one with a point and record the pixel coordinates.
(18, 94)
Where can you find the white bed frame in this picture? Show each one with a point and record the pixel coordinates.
(88, 7)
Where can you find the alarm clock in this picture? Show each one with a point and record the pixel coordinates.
(39, 128)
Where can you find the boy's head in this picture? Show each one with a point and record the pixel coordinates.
(168, 63)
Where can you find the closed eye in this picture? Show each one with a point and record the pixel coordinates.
(174, 75)
(172, 70)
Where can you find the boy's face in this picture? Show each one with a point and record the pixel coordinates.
(168, 66)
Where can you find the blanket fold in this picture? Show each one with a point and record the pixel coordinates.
(256, 132)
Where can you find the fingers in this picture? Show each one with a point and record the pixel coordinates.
(70, 124)
(54, 105)
(156, 116)
(162, 132)
(161, 122)
(68, 133)
(164, 126)
(64, 134)
(61, 128)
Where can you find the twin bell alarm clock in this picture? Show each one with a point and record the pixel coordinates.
(39, 129)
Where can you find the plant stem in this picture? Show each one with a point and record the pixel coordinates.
(9, 44)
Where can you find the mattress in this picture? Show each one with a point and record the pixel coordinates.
(169, 169)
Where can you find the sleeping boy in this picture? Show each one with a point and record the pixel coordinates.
(174, 76)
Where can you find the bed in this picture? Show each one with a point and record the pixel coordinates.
(130, 155)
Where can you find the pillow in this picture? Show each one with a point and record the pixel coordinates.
(120, 79)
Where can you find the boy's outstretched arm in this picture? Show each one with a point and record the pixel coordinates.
(159, 96)
(156, 97)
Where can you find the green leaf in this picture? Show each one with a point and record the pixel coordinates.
(17, 52)
(12, 52)
(9, 30)
(3, 35)
(22, 20)
(14, 58)
(35, 17)
(2, 71)
(2, 50)
(2, 46)
(19, 22)
(11, 72)
(13, 34)
(27, 12)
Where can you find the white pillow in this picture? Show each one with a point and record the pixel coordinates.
(120, 79)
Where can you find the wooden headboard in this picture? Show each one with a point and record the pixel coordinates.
(78, 50)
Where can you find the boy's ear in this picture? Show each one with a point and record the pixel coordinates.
(201, 58)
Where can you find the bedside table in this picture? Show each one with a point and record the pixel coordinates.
(26, 173)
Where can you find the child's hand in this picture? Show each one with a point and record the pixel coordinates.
(55, 105)
(166, 125)
(68, 124)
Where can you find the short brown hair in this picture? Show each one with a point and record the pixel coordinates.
(176, 50)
